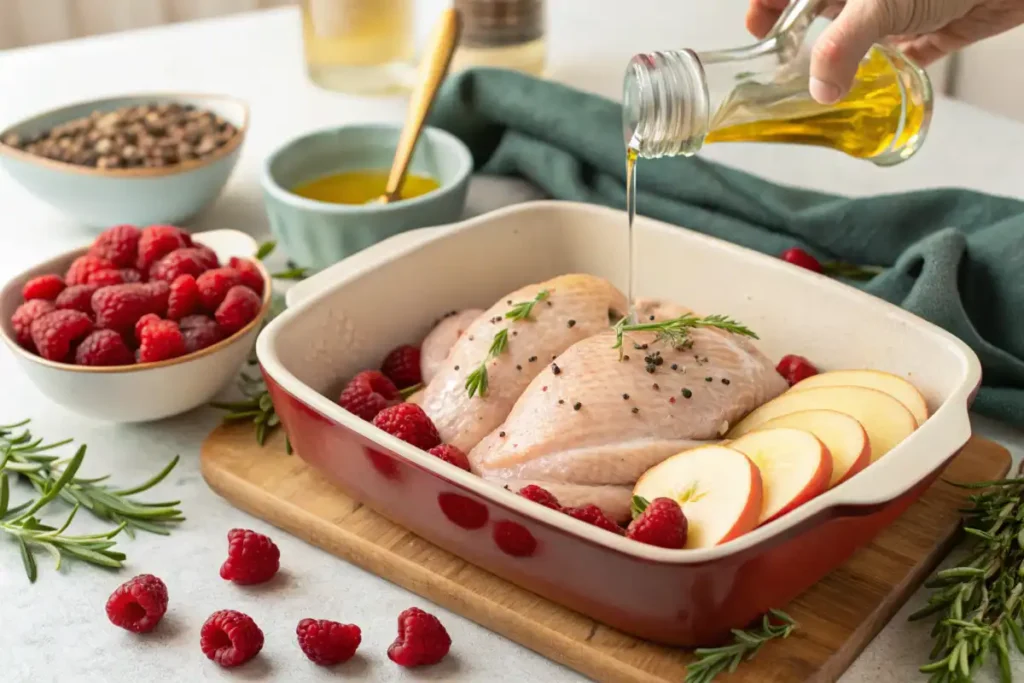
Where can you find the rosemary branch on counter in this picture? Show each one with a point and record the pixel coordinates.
(746, 644)
(978, 603)
(23, 455)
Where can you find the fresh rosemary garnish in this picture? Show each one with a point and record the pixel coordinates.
(55, 477)
(852, 271)
(637, 505)
(713, 661)
(477, 381)
(676, 332)
(978, 603)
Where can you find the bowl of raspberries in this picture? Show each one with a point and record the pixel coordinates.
(142, 324)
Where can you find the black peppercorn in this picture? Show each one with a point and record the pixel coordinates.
(571, 323)
(534, 358)
(708, 379)
(687, 393)
(625, 397)
(577, 405)
(635, 410)
(725, 381)
(555, 369)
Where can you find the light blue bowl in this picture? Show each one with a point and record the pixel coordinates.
(141, 196)
(319, 234)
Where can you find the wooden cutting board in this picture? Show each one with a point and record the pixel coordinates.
(838, 616)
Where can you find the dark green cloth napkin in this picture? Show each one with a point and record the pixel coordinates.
(954, 257)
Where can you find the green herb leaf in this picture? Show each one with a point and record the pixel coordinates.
(637, 505)
(409, 391)
(522, 310)
(746, 644)
(676, 332)
(296, 273)
(265, 249)
(476, 382)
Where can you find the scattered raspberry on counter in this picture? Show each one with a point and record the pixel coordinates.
(214, 285)
(252, 558)
(183, 298)
(249, 273)
(139, 604)
(799, 257)
(451, 455)
(84, 266)
(540, 495)
(55, 333)
(422, 639)
(156, 241)
(402, 366)
(409, 423)
(160, 340)
(662, 523)
(103, 348)
(77, 298)
(591, 514)
(327, 642)
(368, 393)
(43, 287)
(795, 369)
(239, 307)
(24, 316)
(119, 245)
(230, 638)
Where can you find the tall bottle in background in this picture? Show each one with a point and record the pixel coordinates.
(507, 34)
(359, 46)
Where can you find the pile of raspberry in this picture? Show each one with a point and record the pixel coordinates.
(137, 296)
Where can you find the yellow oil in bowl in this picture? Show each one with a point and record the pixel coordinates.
(360, 187)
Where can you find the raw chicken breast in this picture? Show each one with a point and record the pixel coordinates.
(577, 307)
(442, 338)
(593, 428)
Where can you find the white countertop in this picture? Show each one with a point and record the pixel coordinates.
(56, 629)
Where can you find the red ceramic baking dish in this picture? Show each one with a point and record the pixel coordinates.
(347, 317)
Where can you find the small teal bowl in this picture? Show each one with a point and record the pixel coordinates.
(99, 197)
(318, 234)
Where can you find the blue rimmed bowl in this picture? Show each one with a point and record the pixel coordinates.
(101, 197)
(318, 234)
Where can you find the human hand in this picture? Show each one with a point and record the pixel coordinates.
(924, 30)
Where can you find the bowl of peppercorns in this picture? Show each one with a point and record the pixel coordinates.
(142, 324)
(142, 159)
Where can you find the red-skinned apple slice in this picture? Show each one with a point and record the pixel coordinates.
(886, 420)
(888, 383)
(843, 436)
(718, 488)
(795, 466)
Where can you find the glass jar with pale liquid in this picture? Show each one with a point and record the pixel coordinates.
(675, 102)
(363, 47)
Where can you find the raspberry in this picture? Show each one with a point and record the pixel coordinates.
(155, 242)
(142, 322)
(795, 369)
(55, 332)
(240, 306)
(409, 423)
(24, 316)
(183, 298)
(402, 366)
(451, 455)
(119, 307)
(252, 558)
(160, 340)
(185, 261)
(208, 255)
(591, 514)
(105, 277)
(422, 639)
(77, 298)
(118, 244)
(514, 539)
(161, 292)
(43, 287)
(662, 523)
(368, 393)
(250, 273)
(199, 332)
(214, 285)
(130, 275)
(230, 638)
(84, 266)
(103, 347)
(328, 642)
(540, 495)
(799, 257)
(138, 604)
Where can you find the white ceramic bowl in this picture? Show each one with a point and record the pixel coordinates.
(140, 196)
(148, 391)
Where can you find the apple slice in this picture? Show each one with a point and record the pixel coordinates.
(795, 466)
(888, 383)
(843, 436)
(886, 420)
(718, 488)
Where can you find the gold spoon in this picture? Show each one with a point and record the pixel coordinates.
(432, 72)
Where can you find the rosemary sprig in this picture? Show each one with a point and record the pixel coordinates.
(676, 332)
(477, 382)
(713, 661)
(852, 271)
(978, 603)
